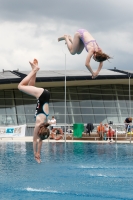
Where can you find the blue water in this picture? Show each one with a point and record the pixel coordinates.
(68, 171)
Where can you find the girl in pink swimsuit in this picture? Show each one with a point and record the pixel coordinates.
(83, 38)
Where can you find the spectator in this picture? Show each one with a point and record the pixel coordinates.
(100, 131)
(54, 133)
(128, 122)
(106, 128)
(110, 134)
(53, 121)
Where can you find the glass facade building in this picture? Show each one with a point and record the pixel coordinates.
(84, 104)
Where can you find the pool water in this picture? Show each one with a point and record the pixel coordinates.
(68, 171)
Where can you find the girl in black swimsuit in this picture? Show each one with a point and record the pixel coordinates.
(27, 85)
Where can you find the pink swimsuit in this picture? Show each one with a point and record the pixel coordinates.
(81, 32)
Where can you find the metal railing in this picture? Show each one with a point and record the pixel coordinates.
(119, 129)
(120, 132)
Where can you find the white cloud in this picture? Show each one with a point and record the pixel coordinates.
(21, 42)
(30, 29)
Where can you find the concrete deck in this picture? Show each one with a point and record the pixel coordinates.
(30, 139)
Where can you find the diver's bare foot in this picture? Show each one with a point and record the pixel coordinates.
(35, 62)
(62, 38)
(34, 67)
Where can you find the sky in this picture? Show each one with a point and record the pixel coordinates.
(30, 29)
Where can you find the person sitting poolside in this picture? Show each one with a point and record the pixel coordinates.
(106, 129)
(100, 131)
(54, 133)
(110, 134)
(52, 122)
(128, 124)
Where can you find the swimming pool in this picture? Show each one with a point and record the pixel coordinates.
(68, 171)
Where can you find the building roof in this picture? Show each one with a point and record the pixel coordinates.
(9, 77)
(59, 75)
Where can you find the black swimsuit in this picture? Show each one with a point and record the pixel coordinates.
(43, 99)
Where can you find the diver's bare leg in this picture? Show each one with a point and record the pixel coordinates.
(72, 45)
(31, 90)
